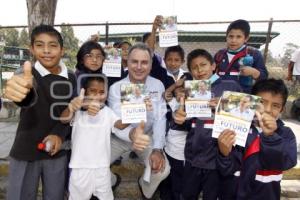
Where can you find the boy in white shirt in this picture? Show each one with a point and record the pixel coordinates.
(90, 158)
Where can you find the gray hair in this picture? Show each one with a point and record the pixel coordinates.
(143, 47)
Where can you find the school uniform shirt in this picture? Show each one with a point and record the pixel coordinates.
(91, 139)
(156, 119)
(228, 67)
(40, 112)
(261, 163)
(201, 149)
(296, 59)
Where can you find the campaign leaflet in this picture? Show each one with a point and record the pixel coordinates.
(133, 107)
(235, 111)
(168, 35)
(112, 63)
(198, 93)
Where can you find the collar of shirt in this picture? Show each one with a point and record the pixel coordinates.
(180, 73)
(44, 72)
(214, 78)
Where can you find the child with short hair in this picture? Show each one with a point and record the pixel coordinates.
(42, 91)
(198, 171)
(239, 61)
(270, 147)
(90, 157)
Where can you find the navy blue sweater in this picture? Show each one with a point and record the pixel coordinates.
(37, 120)
(229, 71)
(261, 163)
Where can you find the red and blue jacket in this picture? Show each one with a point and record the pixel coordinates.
(230, 70)
(259, 166)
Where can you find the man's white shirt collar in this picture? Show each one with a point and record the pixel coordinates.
(44, 72)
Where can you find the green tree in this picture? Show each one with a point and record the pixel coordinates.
(24, 38)
(70, 45)
(289, 49)
(12, 37)
(271, 60)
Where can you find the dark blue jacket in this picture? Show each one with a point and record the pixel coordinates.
(201, 149)
(261, 163)
(160, 73)
(230, 70)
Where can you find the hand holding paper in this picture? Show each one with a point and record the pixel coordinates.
(225, 141)
(180, 115)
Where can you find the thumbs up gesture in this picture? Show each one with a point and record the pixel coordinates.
(140, 140)
(267, 123)
(19, 86)
(77, 102)
(180, 115)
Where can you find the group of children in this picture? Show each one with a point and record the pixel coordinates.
(199, 163)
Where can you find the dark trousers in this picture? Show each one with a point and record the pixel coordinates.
(196, 180)
(171, 187)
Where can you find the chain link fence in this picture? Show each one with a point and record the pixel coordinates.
(277, 39)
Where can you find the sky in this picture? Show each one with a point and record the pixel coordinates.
(14, 12)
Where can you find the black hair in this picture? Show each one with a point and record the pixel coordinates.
(47, 29)
(87, 81)
(86, 48)
(239, 24)
(178, 49)
(117, 44)
(274, 86)
(125, 42)
(145, 37)
(198, 53)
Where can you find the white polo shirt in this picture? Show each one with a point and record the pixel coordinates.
(296, 59)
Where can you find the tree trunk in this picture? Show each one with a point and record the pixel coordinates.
(40, 12)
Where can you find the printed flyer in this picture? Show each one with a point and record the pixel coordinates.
(235, 111)
(198, 93)
(133, 107)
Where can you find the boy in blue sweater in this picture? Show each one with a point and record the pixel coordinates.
(270, 147)
(238, 61)
(198, 171)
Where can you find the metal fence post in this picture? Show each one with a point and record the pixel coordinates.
(268, 40)
(106, 33)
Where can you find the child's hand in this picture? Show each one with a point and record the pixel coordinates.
(179, 93)
(77, 102)
(56, 142)
(180, 115)
(19, 86)
(180, 82)
(158, 21)
(267, 123)
(148, 103)
(249, 71)
(225, 141)
(213, 102)
(94, 107)
(168, 96)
